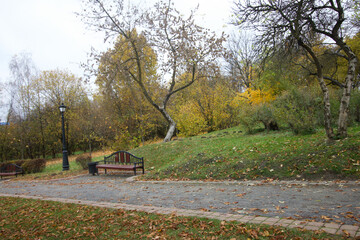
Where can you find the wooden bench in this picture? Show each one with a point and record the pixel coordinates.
(122, 160)
(10, 169)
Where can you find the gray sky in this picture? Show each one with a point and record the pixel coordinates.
(53, 35)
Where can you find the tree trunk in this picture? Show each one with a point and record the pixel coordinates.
(324, 89)
(170, 132)
(345, 99)
(327, 108)
(172, 124)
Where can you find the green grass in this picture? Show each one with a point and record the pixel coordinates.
(231, 154)
(36, 219)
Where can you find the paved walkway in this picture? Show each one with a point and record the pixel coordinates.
(331, 207)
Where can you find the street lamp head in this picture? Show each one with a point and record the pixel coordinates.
(62, 108)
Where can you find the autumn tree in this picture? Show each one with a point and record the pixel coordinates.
(205, 107)
(133, 116)
(180, 45)
(56, 87)
(286, 23)
(23, 71)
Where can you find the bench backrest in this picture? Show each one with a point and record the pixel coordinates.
(122, 157)
(10, 167)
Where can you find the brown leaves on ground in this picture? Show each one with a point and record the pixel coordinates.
(34, 219)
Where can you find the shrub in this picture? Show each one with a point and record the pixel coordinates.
(300, 109)
(265, 115)
(33, 165)
(83, 160)
(247, 117)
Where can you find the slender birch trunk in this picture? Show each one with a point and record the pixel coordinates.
(345, 99)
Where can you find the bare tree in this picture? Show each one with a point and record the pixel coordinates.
(181, 47)
(23, 73)
(240, 60)
(301, 21)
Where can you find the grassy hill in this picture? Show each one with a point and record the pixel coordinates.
(232, 155)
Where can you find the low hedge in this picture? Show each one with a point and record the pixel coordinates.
(30, 165)
(34, 165)
(83, 160)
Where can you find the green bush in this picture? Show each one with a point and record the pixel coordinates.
(83, 160)
(32, 165)
(299, 108)
(247, 117)
(265, 115)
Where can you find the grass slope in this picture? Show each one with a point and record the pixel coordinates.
(231, 154)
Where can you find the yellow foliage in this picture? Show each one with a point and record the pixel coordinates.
(190, 122)
(253, 97)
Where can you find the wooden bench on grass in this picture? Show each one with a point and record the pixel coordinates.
(122, 160)
(10, 169)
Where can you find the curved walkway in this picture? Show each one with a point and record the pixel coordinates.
(330, 206)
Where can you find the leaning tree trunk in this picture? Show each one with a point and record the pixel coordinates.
(345, 99)
(172, 125)
(324, 89)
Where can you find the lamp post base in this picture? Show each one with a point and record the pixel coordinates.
(65, 161)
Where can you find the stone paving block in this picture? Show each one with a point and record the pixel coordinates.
(186, 214)
(313, 228)
(260, 219)
(349, 227)
(248, 218)
(216, 214)
(270, 221)
(281, 224)
(255, 221)
(351, 233)
(329, 230)
(332, 225)
(315, 224)
(286, 221)
(297, 224)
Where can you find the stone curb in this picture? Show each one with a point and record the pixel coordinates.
(259, 182)
(348, 230)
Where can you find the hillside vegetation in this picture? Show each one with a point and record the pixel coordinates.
(232, 155)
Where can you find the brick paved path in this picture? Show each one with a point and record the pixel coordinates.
(252, 202)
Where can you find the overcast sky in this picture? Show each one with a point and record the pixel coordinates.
(56, 38)
(50, 31)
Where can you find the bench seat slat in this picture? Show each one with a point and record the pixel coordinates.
(117, 166)
(8, 173)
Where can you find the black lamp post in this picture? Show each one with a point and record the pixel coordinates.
(65, 153)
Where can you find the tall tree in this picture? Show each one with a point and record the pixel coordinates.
(180, 45)
(23, 72)
(241, 59)
(281, 23)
